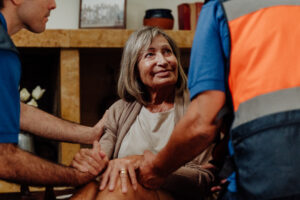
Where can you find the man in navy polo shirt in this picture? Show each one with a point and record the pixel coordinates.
(17, 165)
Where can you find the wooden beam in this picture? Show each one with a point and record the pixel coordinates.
(70, 97)
(90, 38)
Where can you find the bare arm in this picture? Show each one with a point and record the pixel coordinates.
(45, 125)
(194, 132)
(19, 166)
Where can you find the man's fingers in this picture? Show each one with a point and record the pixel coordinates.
(93, 171)
(93, 161)
(102, 165)
(147, 177)
(99, 155)
(99, 127)
(94, 164)
(85, 166)
(216, 188)
(103, 155)
(79, 166)
(93, 153)
(96, 146)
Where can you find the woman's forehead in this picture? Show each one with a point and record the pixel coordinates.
(159, 39)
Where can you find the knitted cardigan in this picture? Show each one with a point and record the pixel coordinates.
(190, 181)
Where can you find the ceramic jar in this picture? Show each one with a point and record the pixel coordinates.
(161, 18)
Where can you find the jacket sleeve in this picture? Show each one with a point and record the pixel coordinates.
(109, 138)
(192, 179)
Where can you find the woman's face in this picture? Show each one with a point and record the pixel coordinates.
(158, 65)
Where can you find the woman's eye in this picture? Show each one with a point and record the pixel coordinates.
(149, 55)
(167, 51)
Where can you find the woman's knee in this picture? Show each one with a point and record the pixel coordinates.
(117, 192)
(87, 192)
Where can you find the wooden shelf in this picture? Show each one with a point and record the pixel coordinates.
(89, 38)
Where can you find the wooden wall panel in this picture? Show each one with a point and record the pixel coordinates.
(70, 97)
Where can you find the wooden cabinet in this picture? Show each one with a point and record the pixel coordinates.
(88, 62)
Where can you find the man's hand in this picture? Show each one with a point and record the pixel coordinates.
(147, 176)
(98, 129)
(217, 188)
(92, 160)
(21, 167)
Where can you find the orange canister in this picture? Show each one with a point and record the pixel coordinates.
(161, 18)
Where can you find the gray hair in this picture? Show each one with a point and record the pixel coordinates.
(130, 87)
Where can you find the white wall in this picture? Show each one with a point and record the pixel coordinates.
(66, 15)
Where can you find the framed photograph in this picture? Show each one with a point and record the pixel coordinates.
(102, 14)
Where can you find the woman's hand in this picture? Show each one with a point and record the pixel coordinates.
(90, 160)
(121, 167)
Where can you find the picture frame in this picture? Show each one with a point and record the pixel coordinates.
(102, 14)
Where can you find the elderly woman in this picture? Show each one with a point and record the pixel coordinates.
(154, 96)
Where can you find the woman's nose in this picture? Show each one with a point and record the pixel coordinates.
(161, 60)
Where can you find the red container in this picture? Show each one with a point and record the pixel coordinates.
(161, 18)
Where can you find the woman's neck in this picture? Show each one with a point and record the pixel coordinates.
(161, 100)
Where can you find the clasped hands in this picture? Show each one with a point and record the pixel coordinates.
(124, 169)
(92, 160)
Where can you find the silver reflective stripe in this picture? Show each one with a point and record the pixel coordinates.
(279, 101)
(237, 8)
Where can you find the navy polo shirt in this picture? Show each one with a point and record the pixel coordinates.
(10, 72)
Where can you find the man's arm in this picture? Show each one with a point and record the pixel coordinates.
(45, 125)
(19, 166)
(193, 133)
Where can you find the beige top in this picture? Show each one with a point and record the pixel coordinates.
(191, 179)
(150, 131)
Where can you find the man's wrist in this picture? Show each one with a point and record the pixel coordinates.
(158, 168)
(83, 177)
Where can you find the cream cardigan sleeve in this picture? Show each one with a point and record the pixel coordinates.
(120, 117)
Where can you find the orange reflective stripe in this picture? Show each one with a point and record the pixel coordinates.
(265, 51)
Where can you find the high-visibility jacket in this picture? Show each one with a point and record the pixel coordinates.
(264, 60)
(264, 82)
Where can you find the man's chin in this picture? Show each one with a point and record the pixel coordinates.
(36, 29)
